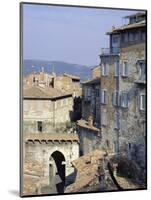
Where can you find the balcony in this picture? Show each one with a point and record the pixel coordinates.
(141, 80)
(87, 99)
(110, 51)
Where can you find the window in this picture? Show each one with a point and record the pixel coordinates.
(116, 69)
(108, 143)
(116, 98)
(136, 36)
(142, 70)
(143, 35)
(124, 99)
(131, 37)
(125, 37)
(143, 102)
(88, 92)
(115, 39)
(116, 146)
(129, 146)
(103, 96)
(104, 118)
(39, 126)
(97, 92)
(125, 69)
(117, 121)
(105, 69)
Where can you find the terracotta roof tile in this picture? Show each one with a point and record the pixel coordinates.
(84, 124)
(39, 92)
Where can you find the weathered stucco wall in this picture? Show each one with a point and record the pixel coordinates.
(51, 113)
(41, 152)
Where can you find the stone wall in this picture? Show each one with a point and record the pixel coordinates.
(41, 153)
(132, 135)
(52, 113)
(110, 84)
(89, 140)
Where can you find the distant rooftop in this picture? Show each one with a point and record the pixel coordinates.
(92, 81)
(39, 92)
(72, 76)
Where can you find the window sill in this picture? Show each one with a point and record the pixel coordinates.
(124, 76)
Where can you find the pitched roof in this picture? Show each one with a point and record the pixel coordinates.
(92, 81)
(51, 137)
(87, 170)
(72, 76)
(128, 26)
(39, 92)
(135, 14)
(84, 124)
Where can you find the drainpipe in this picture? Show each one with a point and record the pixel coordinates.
(118, 108)
(53, 113)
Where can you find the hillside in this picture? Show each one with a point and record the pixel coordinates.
(58, 67)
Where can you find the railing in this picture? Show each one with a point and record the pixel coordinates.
(141, 80)
(87, 99)
(108, 51)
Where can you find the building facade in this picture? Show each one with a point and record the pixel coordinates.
(88, 127)
(45, 109)
(123, 90)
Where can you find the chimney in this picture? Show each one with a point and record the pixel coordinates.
(90, 121)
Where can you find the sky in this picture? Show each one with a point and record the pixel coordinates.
(69, 34)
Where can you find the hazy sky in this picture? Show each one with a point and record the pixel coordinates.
(70, 34)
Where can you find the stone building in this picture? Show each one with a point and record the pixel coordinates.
(89, 126)
(45, 109)
(48, 147)
(91, 100)
(47, 167)
(41, 79)
(68, 82)
(123, 89)
(65, 82)
(96, 72)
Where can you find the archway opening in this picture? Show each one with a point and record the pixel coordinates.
(59, 160)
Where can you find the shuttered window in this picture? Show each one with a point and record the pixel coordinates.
(115, 98)
(105, 69)
(124, 99)
(125, 69)
(103, 96)
(116, 68)
(117, 120)
(143, 102)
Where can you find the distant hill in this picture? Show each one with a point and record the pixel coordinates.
(84, 72)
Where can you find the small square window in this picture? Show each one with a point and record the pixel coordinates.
(39, 123)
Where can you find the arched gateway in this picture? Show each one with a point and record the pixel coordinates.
(57, 170)
(53, 154)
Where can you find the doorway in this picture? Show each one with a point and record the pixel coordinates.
(59, 173)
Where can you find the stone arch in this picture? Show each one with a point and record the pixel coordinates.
(57, 170)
